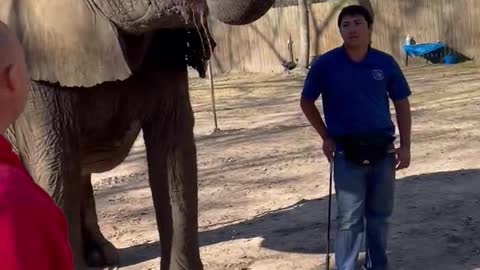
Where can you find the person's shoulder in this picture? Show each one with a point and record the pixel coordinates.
(12, 188)
(17, 187)
(330, 55)
(327, 58)
(383, 57)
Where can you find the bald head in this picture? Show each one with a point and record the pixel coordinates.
(14, 79)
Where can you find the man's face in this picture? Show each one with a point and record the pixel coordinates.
(355, 31)
(14, 77)
(23, 84)
(18, 83)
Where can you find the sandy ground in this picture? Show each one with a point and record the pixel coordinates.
(263, 183)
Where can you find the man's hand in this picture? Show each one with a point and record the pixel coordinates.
(328, 148)
(403, 158)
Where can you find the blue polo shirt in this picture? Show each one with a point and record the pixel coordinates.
(355, 95)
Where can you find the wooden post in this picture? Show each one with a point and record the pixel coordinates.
(212, 94)
(304, 60)
(290, 47)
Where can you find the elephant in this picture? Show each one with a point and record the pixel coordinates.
(101, 72)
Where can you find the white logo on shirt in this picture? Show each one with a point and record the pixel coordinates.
(378, 74)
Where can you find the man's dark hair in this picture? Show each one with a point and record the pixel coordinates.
(355, 10)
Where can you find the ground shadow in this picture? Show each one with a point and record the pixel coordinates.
(435, 225)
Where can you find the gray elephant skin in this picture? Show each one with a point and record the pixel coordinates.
(102, 71)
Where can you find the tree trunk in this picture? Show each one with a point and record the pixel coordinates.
(304, 59)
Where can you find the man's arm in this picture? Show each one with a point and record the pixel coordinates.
(404, 121)
(399, 91)
(22, 245)
(31, 239)
(314, 83)
(314, 117)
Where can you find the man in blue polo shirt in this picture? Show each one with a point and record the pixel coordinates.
(356, 83)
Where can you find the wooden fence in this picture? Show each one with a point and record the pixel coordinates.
(262, 45)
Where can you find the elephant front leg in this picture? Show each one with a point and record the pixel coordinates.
(47, 141)
(172, 166)
(98, 250)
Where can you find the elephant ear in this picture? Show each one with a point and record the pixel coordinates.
(66, 41)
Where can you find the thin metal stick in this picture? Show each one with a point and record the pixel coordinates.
(329, 214)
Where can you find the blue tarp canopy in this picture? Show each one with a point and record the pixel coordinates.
(423, 49)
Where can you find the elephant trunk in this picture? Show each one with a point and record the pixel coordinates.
(239, 12)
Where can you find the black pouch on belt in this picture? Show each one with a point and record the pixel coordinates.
(366, 149)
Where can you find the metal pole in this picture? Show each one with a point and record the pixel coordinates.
(212, 94)
(329, 214)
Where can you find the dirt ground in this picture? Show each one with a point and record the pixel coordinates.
(263, 182)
